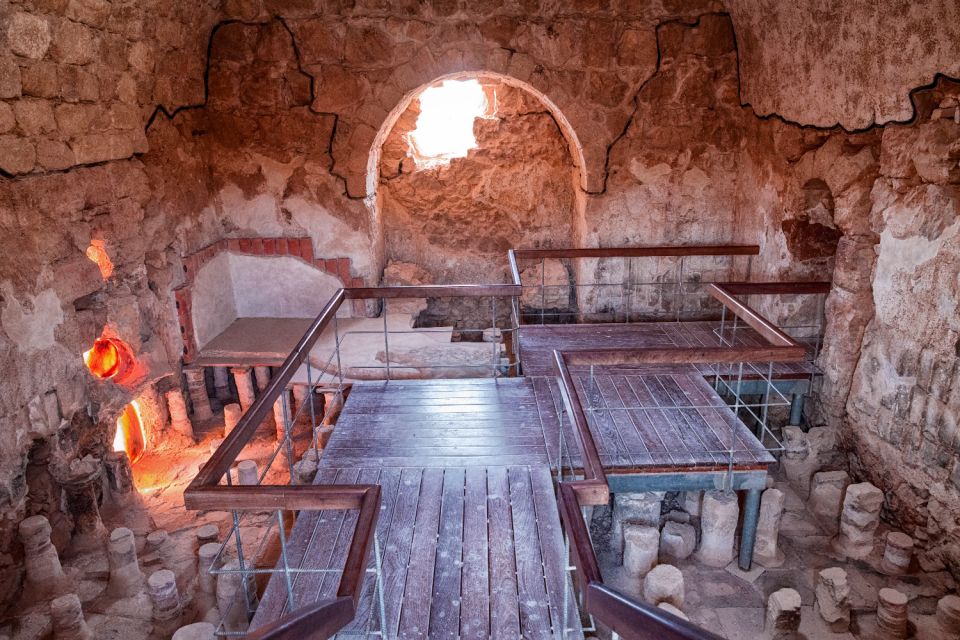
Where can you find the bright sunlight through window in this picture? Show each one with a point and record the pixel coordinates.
(445, 125)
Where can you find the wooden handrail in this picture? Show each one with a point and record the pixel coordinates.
(662, 251)
(206, 493)
(757, 322)
(774, 288)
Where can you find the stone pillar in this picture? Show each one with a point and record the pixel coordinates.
(208, 533)
(221, 384)
(281, 413)
(231, 416)
(798, 464)
(262, 375)
(718, 525)
(691, 502)
(332, 404)
(247, 472)
(68, 620)
(826, 496)
(179, 419)
(208, 559)
(232, 599)
(677, 541)
(897, 554)
(125, 575)
(120, 476)
(664, 583)
(833, 599)
(196, 631)
(640, 548)
(80, 481)
(159, 541)
(892, 613)
(244, 381)
(783, 614)
(634, 508)
(165, 598)
(305, 470)
(766, 550)
(45, 575)
(859, 520)
(948, 613)
(301, 396)
(197, 386)
(323, 436)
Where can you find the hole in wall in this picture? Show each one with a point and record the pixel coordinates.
(131, 435)
(444, 128)
(108, 358)
(97, 252)
(811, 234)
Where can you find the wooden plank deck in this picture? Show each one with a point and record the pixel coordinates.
(438, 423)
(468, 552)
(537, 343)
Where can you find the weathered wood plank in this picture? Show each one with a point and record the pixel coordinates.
(445, 606)
(475, 586)
(534, 610)
(415, 612)
(504, 607)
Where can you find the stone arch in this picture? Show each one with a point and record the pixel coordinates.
(577, 155)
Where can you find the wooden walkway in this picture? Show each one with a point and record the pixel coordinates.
(469, 529)
(537, 343)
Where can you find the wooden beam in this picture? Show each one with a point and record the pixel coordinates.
(775, 288)
(314, 622)
(593, 468)
(271, 497)
(435, 291)
(635, 620)
(761, 325)
(641, 252)
(683, 355)
(355, 567)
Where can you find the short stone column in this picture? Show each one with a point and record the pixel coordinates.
(948, 615)
(262, 375)
(281, 413)
(796, 461)
(859, 520)
(80, 480)
(305, 470)
(766, 550)
(159, 542)
(231, 416)
(669, 608)
(783, 614)
(634, 508)
(179, 419)
(691, 502)
(68, 621)
(232, 598)
(826, 496)
(640, 549)
(208, 533)
(197, 387)
(833, 599)
(718, 526)
(208, 558)
(664, 583)
(244, 381)
(45, 575)
(892, 612)
(247, 472)
(301, 396)
(120, 476)
(196, 631)
(165, 598)
(677, 541)
(126, 578)
(897, 554)
(221, 384)
(332, 404)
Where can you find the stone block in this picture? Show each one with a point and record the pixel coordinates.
(637, 508)
(664, 583)
(718, 525)
(28, 35)
(783, 614)
(833, 598)
(826, 495)
(677, 541)
(640, 548)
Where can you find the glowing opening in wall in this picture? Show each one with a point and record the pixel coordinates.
(445, 125)
(107, 358)
(97, 252)
(131, 436)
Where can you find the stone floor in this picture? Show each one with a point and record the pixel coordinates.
(731, 602)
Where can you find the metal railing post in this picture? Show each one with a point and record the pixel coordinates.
(386, 331)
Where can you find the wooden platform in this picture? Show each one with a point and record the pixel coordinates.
(438, 423)
(651, 421)
(468, 552)
(537, 343)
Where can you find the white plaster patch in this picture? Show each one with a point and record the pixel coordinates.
(212, 296)
(279, 287)
(31, 326)
(332, 237)
(258, 214)
(644, 174)
(903, 256)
